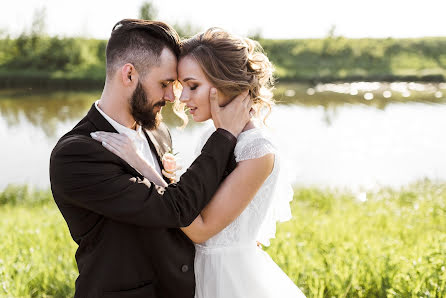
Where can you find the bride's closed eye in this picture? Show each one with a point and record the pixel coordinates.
(193, 87)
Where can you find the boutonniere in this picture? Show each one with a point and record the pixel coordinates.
(170, 166)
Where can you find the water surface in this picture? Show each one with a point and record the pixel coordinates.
(356, 135)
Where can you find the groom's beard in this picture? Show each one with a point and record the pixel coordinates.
(143, 111)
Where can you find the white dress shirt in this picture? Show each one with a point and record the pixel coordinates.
(138, 138)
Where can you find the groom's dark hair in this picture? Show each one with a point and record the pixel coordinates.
(139, 42)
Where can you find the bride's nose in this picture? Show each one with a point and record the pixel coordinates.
(184, 97)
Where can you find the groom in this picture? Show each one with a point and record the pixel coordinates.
(126, 226)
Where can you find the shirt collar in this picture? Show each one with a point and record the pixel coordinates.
(119, 127)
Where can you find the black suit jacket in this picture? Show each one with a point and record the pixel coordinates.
(125, 226)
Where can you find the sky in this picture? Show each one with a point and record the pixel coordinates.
(272, 19)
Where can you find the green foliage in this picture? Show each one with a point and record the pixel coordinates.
(54, 55)
(391, 245)
(329, 59)
(187, 29)
(339, 58)
(148, 11)
(38, 27)
(14, 195)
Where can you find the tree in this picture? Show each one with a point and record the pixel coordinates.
(148, 11)
(186, 29)
(256, 34)
(38, 26)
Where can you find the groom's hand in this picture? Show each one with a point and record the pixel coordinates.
(234, 116)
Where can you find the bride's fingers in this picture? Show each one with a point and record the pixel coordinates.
(247, 101)
(108, 140)
(112, 149)
(99, 137)
(104, 133)
(121, 138)
(107, 137)
(213, 98)
(117, 136)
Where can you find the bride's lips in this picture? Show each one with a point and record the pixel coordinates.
(192, 109)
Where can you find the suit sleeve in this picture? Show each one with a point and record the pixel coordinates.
(84, 174)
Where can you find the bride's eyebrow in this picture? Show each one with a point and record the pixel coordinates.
(188, 79)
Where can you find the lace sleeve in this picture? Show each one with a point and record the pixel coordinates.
(278, 191)
(279, 209)
(250, 148)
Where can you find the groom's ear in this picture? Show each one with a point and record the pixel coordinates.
(129, 75)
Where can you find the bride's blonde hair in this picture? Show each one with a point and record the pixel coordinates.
(232, 64)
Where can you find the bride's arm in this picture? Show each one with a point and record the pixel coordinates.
(122, 146)
(231, 198)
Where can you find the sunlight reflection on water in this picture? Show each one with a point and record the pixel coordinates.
(326, 140)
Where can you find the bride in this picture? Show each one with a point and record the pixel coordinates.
(254, 196)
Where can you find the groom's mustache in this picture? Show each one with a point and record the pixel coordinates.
(160, 104)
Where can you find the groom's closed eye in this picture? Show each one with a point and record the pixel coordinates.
(165, 84)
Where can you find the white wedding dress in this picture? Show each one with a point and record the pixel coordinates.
(230, 265)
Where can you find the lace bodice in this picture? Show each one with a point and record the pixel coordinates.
(270, 204)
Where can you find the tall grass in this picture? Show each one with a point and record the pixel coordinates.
(393, 244)
(37, 253)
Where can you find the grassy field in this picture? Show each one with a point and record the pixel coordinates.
(393, 244)
(338, 244)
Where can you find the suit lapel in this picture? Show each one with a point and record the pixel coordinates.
(154, 141)
(157, 145)
(99, 121)
(102, 124)
(153, 137)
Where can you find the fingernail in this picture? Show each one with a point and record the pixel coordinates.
(213, 91)
(93, 135)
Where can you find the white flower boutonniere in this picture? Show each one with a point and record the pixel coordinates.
(170, 166)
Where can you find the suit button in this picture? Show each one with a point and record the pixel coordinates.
(184, 268)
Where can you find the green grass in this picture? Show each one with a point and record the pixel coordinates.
(37, 253)
(393, 244)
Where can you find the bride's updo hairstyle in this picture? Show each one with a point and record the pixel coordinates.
(232, 64)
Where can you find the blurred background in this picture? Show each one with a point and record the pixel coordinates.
(361, 89)
(360, 117)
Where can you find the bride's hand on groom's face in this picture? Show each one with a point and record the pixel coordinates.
(119, 144)
(234, 116)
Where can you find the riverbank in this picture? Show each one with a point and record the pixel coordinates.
(389, 242)
(53, 62)
(364, 59)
